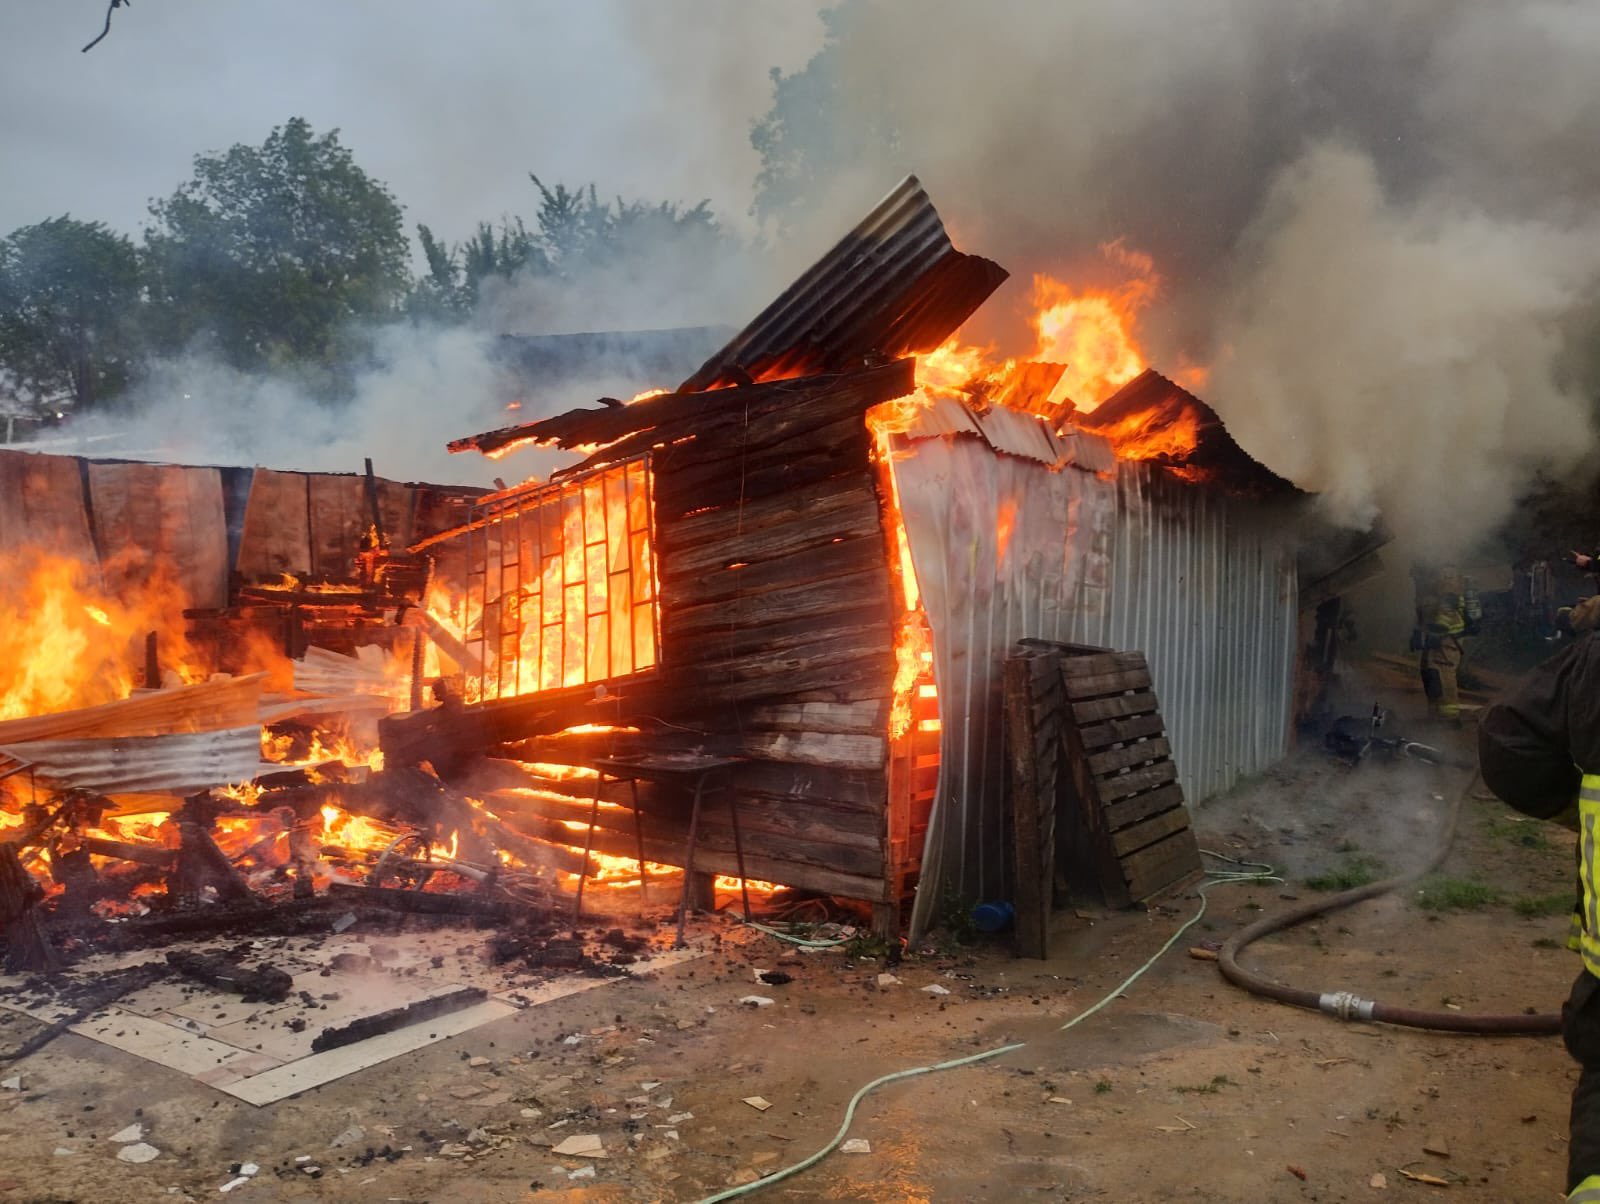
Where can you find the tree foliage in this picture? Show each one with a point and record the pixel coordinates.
(575, 234)
(272, 252)
(806, 135)
(69, 292)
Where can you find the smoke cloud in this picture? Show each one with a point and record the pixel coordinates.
(1375, 222)
(426, 386)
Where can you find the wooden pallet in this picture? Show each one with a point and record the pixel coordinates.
(1035, 725)
(1129, 829)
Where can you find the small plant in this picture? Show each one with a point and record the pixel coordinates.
(1457, 894)
(954, 917)
(1534, 906)
(1545, 942)
(1103, 1087)
(1357, 870)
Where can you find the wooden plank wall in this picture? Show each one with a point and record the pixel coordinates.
(1035, 724)
(126, 517)
(777, 630)
(42, 504)
(161, 518)
(277, 527)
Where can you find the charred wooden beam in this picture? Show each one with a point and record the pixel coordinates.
(145, 854)
(266, 984)
(28, 945)
(609, 423)
(201, 864)
(423, 903)
(397, 1018)
(223, 919)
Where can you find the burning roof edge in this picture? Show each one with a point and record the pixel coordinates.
(895, 286)
(1178, 430)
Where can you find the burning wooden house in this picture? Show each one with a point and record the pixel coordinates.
(757, 629)
(808, 563)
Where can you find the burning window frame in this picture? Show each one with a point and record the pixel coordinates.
(608, 577)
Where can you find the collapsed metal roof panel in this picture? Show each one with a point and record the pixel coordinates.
(1155, 419)
(173, 764)
(893, 286)
(1090, 452)
(1019, 434)
(942, 416)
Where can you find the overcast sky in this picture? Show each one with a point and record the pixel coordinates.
(449, 102)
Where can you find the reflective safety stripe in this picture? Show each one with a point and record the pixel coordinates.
(1587, 1192)
(1589, 874)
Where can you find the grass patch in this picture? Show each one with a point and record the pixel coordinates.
(1545, 942)
(1353, 872)
(1457, 894)
(1535, 906)
(1103, 1087)
(1527, 835)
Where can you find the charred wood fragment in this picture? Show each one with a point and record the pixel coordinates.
(419, 902)
(28, 946)
(268, 984)
(397, 1018)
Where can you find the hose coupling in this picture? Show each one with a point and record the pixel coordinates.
(1346, 1005)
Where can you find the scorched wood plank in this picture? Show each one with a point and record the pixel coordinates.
(276, 538)
(853, 563)
(339, 516)
(1135, 753)
(1141, 835)
(42, 505)
(1120, 785)
(1113, 731)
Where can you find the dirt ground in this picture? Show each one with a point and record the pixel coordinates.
(1184, 1089)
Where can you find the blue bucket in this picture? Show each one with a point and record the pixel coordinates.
(993, 917)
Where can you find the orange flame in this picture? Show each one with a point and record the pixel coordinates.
(66, 642)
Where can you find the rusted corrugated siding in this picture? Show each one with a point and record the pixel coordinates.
(893, 286)
(1131, 560)
(175, 764)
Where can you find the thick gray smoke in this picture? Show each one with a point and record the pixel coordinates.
(1374, 221)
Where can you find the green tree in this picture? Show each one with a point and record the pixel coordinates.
(574, 236)
(455, 274)
(272, 252)
(69, 294)
(807, 135)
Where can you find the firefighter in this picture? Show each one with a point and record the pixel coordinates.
(1447, 609)
(1540, 752)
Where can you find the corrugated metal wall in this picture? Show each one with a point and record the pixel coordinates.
(1005, 548)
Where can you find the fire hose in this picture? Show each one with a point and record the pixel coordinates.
(1342, 1004)
(1345, 1005)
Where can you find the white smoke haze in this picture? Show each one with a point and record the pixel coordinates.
(427, 386)
(1404, 359)
(1375, 221)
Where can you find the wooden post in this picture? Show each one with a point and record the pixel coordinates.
(28, 946)
(152, 664)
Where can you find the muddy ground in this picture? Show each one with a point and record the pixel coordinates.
(1185, 1089)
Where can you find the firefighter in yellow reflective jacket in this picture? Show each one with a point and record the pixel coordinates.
(1447, 609)
(1540, 751)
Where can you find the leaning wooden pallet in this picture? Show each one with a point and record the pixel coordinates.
(1129, 828)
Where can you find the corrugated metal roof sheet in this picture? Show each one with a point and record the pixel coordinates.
(176, 764)
(1092, 453)
(1201, 583)
(893, 286)
(1019, 434)
(943, 416)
